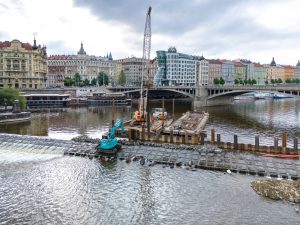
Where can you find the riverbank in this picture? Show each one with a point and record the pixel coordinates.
(10, 117)
(288, 190)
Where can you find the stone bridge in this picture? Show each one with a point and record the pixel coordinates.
(201, 96)
(212, 94)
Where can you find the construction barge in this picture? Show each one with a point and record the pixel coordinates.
(190, 126)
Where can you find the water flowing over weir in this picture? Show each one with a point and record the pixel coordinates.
(205, 157)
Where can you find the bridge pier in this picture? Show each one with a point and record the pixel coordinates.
(201, 102)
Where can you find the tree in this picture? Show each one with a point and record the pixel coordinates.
(216, 81)
(289, 81)
(272, 81)
(94, 82)
(86, 82)
(68, 81)
(241, 81)
(236, 81)
(245, 81)
(279, 81)
(254, 81)
(77, 79)
(102, 78)
(122, 78)
(9, 95)
(222, 81)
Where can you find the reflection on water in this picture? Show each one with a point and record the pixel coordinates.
(266, 118)
(74, 190)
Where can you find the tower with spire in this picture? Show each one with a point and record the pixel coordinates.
(298, 63)
(273, 62)
(34, 46)
(110, 56)
(81, 51)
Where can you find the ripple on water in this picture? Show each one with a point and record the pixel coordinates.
(74, 190)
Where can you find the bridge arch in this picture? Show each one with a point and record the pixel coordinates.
(159, 93)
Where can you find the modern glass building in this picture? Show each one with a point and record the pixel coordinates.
(175, 68)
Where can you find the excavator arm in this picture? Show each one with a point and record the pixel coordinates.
(111, 145)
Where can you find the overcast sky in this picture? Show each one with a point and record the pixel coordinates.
(252, 29)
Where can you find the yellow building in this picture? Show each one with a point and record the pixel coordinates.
(275, 72)
(22, 65)
(289, 72)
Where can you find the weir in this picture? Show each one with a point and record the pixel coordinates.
(190, 156)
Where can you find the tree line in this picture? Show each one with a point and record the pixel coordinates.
(101, 79)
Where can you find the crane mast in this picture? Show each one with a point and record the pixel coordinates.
(146, 59)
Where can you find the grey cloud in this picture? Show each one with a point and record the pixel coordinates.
(57, 47)
(196, 26)
(168, 16)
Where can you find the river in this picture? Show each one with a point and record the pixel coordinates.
(55, 189)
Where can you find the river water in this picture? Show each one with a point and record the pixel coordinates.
(50, 188)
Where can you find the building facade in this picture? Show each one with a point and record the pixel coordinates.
(260, 74)
(87, 66)
(22, 65)
(297, 70)
(289, 72)
(175, 68)
(133, 68)
(274, 72)
(214, 70)
(227, 71)
(202, 71)
(239, 71)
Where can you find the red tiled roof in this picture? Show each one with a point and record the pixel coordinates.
(5, 44)
(27, 46)
(257, 65)
(289, 67)
(239, 64)
(214, 61)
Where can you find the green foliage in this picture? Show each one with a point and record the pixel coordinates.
(219, 81)
(292, 81)
(68, 81)
(121, 78)
(279, 81)
(9, 95)
(236, 81)
(222, 81)
(94, 82)
(77, 79)
(102, 78)
(86, 82)
(216, 81)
